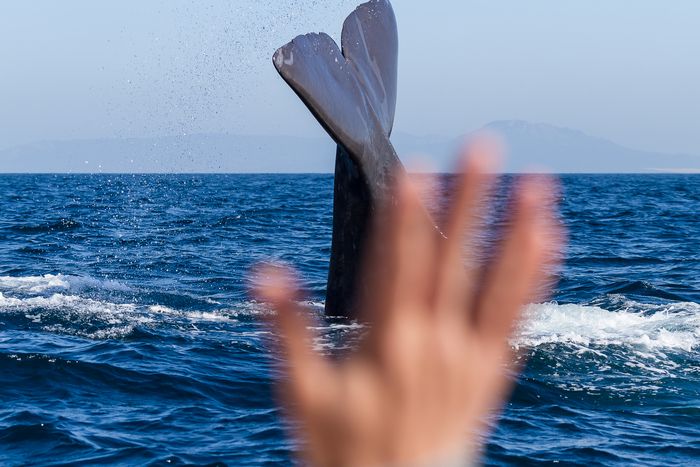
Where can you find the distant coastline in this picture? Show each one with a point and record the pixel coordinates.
(538, 145)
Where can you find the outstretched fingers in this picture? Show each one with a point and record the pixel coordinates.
(401, 260)
(521, 264)
(454, 284)
(307, 370)
(413, 251)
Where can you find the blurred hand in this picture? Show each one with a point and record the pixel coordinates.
(431, 364)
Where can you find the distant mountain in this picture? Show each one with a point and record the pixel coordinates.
(562, 150)
(199, 153)
(429, 152)
(537, 145)
(205, 153)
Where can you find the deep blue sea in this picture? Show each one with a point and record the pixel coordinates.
(127, 337)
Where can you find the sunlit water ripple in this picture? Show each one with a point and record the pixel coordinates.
(127, 338)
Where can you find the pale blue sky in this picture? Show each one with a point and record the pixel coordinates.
(625, 70)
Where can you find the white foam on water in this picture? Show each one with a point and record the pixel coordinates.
(55, 303)
(193, 315)
(60, 301)
(337, 336)
(672, 326)
(34, 284)
(87, 306)
(75, 315)
(50, 282)
(319, 307)
(83, 282)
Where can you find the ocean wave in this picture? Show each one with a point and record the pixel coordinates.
(58, 311)
(50, 282)
(670, 326)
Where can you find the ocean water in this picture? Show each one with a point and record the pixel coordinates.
(127, 338)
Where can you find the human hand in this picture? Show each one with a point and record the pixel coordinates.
(430, 367)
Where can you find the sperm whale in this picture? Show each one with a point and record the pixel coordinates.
(351, 90)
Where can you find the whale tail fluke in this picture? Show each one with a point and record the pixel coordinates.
(352, 93)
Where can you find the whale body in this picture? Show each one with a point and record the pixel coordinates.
(352, 93)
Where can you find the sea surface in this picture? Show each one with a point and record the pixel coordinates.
(127, 336)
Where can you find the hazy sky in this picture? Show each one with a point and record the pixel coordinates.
(626, 70)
